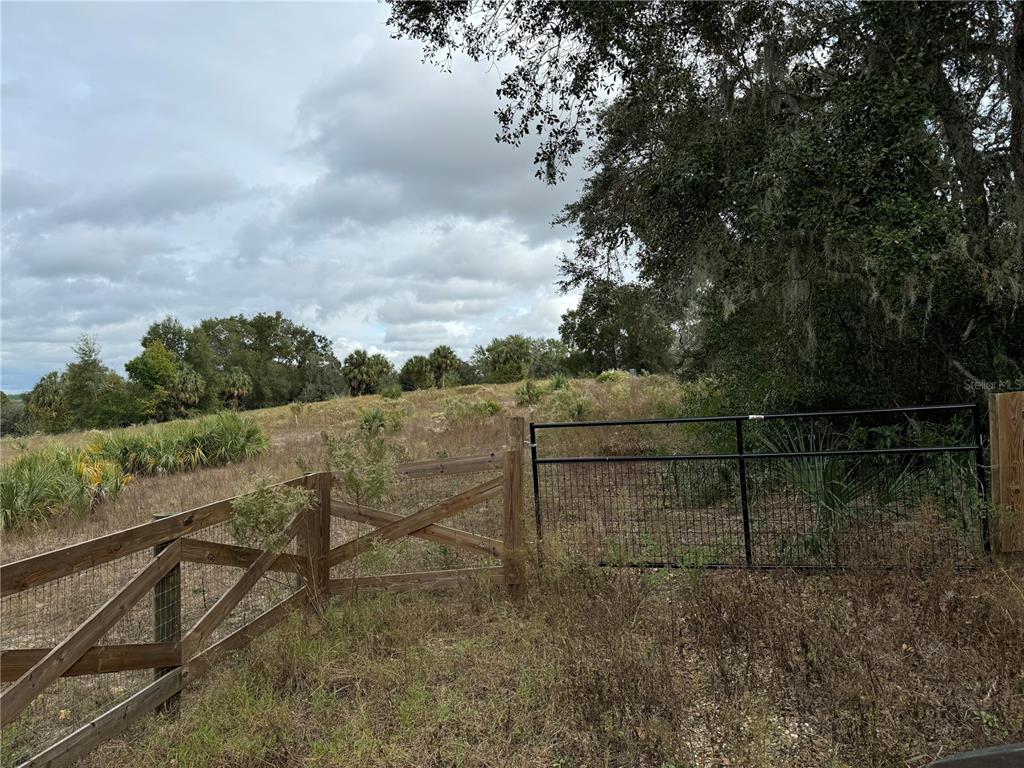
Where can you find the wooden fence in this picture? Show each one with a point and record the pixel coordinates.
(1006, 431)
(181, 654)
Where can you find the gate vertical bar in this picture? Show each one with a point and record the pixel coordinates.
(979, 468)
(536, 485)
(748, 548)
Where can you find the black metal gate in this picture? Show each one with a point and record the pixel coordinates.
(891, 487)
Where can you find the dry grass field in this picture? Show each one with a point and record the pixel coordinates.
(709, 670)
(590, 667)
(430, 424)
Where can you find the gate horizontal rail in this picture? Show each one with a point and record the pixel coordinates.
(736, 456)
(754, 416)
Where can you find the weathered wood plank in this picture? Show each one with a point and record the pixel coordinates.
(439, 533)
(217, 612)
(512, 515)
(394, 582)
(47, 566)
(61, 658)
(1007, 445)
(244, 635)
(457, 466)
(98, 660)
(417, 520)
(79, 743)
(216, 553)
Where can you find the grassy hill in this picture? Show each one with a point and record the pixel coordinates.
(427, 423)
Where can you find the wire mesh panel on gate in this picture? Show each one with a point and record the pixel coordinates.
(883, 487)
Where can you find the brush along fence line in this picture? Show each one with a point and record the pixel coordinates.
(166, 598)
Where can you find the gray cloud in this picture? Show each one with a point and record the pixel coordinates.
(20, 192)
(82, 251)
(164, 195)
(287, 158)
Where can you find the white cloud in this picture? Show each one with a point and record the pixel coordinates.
(206, 160)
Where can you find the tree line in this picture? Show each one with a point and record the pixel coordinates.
(243, 362)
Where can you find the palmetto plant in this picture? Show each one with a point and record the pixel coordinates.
(211, 441)
(188, 386)
(840, 489)
(55, 480)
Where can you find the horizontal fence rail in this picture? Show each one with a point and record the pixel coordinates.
(184, 594)
(765, 490)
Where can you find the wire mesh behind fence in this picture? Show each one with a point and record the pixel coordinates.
(410, 554)
(40, 617)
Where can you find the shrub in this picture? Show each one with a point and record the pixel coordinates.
(55, 480)
(391, 391)
(365, 464)
(487, 407)
(457, 409)
(528, 393)
(377, 420)
(263, 513)
(559, 382)
(566, 405)
(208, 442)
(612, 375)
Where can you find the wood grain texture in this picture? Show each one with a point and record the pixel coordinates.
(314, 541)
(98, 660)
(463, 465)
(418, 520)
(63, 656)
(55, 564)
(45, 567)
(216, 553)
(512, 512)
(481, 545)
(112, 722)
(1006, 418)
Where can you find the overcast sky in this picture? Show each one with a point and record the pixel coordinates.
(206, 160)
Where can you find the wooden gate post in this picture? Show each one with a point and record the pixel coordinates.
(314, 541)
(512, 511)
(1006, 431)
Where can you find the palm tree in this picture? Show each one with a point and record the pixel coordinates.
(236, 386)
(443, 361)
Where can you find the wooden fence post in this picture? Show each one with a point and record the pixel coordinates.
(1006, 431)
(167, 618)
(315, 541)
(512, 510)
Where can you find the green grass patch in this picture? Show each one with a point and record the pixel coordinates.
(57, 479)
(214, 440)
(61, 479)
